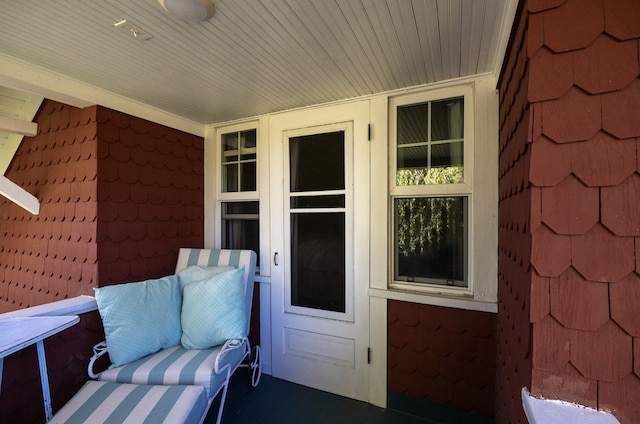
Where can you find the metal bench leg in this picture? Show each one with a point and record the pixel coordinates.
(44, 378)
(224, 395)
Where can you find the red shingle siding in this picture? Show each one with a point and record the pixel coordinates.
(625, 298)
(583, 195)
(117, 193)
(622, 19)
(621, 397)
(607, 65)
(442, 354)
(51, 256)
(577, 303)
(150, 191)
(519, 214)
(573, 25)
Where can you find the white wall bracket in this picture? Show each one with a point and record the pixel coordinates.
(18, 195)
(18, 126)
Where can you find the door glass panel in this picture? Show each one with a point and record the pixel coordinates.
(318, 265)
(302, 202)
(317, 162)
(317, 165)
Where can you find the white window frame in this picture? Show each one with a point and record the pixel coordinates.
(479, 185)
(262, 180)
(461, 189)
(236, 195)
(213, 198)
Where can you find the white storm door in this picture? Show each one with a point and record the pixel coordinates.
(320, 326)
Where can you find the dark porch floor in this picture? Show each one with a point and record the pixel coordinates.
(282, 402)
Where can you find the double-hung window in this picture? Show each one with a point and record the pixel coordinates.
(431, 188)
(238, 198)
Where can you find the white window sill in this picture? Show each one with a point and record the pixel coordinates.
(458, 302)
(73, 306)
(543, 411)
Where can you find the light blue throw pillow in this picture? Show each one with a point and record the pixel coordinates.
(213, 310)
(195, 273)
(140, 318)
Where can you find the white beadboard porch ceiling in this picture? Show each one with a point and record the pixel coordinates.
(254, 56)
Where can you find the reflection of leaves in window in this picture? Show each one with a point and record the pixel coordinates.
(428, 224)
(421, 176)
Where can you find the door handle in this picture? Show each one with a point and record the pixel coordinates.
(275, 259)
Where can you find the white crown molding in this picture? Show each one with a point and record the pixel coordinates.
(22, 76)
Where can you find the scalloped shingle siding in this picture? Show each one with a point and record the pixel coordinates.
(570, 207)
(119, 195)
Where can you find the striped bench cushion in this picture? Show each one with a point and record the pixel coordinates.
(102, 402)
(175, 366)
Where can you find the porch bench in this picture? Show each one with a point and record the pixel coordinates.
(116, 403)
(191, 370)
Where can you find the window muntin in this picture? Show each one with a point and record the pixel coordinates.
(430, 240)
(239, 161)
(430, 142)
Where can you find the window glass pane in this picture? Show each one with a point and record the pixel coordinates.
(447, 119)
(307, 171)
(413, 157)
(447, 155)
(435, 175)
(248, 145)
(248, 175)
(230, 178)
(318, 261)
(230, 147)
(431, 240)
(240, 208)
(239, 161)
(413, 124)
(248, 139)
(430, 143)
(248, 155)
(241, 226)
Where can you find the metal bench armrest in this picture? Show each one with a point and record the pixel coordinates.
(228, 346)
(98, 351)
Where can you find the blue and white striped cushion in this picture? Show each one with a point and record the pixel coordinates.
(217, 257)
(222, 257)
(101, 402)
(176, 366)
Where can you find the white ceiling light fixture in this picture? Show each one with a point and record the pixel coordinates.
(189, 10)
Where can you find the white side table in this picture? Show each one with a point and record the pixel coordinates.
(18, 333)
